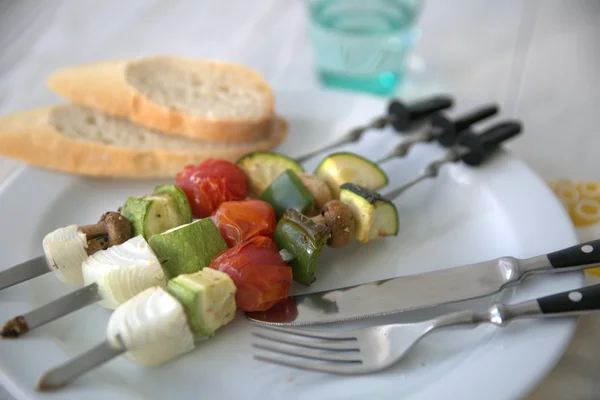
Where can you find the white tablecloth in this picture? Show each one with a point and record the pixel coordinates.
(539, 60)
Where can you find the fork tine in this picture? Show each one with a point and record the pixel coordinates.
(288, 339)
(341, 357)
(347, 335)
(337, 368)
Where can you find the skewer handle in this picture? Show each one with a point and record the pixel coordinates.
(483, 145)
(404, 117)
(448, 130)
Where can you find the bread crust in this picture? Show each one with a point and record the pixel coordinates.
(28, 136)
(103, 86)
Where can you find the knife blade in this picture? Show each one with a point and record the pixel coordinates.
(391, 296)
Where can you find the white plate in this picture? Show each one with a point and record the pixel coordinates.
(463, 216)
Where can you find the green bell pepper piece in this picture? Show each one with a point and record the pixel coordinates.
(305, 240)
(287, 191)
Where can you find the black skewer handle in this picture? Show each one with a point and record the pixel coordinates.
(483, 145)
(447, 130)
(405, 116)
(479, 114)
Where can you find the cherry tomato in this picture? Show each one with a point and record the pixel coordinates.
(261, 277)
(211, 183)
(242, 220)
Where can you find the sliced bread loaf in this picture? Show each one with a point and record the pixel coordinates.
(201, 99)
(77, 139)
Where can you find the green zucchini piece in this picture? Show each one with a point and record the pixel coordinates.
(287, 191)
(188, 248)
(208, 297)
(262, 167)
(374, 216)
(339, 168)
(183, 204)
(151, 215)
(305, 240)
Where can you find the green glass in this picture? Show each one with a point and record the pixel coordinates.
(362, 45)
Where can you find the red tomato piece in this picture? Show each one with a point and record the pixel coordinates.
(211, 183)
(242, 220)
(261, 277)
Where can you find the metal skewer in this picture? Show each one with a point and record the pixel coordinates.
(402, 117)
(58, 377)
(60, 307)
(23, 272)
(442, 129)
(473, 149)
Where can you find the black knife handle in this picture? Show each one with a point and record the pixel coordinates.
(405, 116)
(583, 299)
(448, 130)
(581, 254)
(483, 145)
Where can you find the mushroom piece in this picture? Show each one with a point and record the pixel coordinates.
(338, 217)
(319, 190)
(118, 228)
(112, 229)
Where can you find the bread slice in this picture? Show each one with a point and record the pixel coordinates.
(76, 139)
(201, 99)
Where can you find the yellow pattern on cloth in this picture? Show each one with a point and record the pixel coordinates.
(582, 200)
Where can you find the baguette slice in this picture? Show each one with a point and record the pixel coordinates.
(76, 139)
(200, 99)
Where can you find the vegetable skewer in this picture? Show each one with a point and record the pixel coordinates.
(66, 248)
(156, 326)
(65, 305)
(402, 117)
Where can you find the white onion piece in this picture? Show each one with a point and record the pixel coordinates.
(123, 271)
(65, 250)
(152, 327)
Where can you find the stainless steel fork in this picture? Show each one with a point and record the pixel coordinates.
(372, 349)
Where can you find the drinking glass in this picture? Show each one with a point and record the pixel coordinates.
(362, 44)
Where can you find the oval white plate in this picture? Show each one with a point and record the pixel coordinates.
(463, 216)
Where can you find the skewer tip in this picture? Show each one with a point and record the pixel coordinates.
(14, 328)
(45, 384)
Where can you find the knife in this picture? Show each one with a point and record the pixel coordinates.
(391, 296)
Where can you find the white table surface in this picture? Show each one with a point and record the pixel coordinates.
(539, 60)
